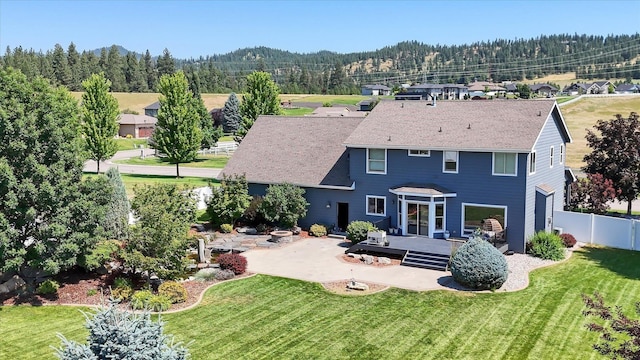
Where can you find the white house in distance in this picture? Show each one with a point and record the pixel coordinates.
(376, 90)
(138, 126)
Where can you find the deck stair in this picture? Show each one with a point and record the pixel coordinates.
(426, 260)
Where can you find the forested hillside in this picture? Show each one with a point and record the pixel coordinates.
(590, 57)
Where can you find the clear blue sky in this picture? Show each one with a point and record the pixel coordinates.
(194, 28)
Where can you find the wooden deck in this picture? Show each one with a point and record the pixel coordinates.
(399, 245)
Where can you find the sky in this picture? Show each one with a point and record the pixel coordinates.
(199, 28)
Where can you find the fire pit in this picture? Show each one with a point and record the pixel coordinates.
(281, 236)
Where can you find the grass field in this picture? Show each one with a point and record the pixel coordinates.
(267, 317)
(130, 144)
(131, 180)
(584, 113)
(203, 161)
(297, 112)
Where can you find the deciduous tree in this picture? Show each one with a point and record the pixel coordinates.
(615, 154)
(231, 114)
(284, 204)
(261, 98)
(229, 201)
(177, 134)
(592, 193)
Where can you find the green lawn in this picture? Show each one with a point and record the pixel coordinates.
(130, 144)
(131, 180)
(267, 317)
(203, 161)
(297, 112)
(226, 138)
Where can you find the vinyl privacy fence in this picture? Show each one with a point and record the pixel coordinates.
(598, 229)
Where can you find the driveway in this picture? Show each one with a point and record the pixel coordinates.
(317, 260)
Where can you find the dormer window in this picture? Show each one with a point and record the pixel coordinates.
(376, 161)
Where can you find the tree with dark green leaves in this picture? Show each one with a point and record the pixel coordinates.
(48, 215)
(61, 69)
(150, 71)
(177, 135)
(99, 118)
(165, 64)
(284, 204)
(73, 58)
(615, 153)
(114, 70)
(231, 117)
(159, 239)
(229, 200)
(262, 97)
(210, 135)
(524, 91)
(116, 222)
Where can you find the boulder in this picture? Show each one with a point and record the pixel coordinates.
(368, 259)
(6, 276)
(384, 260)
(12, 284)
(355, 256)
(354, 285)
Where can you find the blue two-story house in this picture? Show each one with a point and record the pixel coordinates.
(421, 167)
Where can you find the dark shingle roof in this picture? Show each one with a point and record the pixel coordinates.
(536, 87)
(131, 119)
(377, 87)
(306, 151)
(154, 106)
(627, 87)
(508, 125)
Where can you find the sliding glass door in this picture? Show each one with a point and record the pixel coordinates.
(417, 219)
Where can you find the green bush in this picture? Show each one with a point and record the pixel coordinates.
(159, 303)
(121, 293)
(140, 299)
(327, 104)
(92, 292)
(121, 282)
(226, 228)
(48, 287)
(174, 291)
(284, 204)
(478, 265)
(547, 246)
(357, 230)
(318, 230)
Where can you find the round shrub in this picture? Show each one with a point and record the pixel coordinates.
(121, 293)
(48, 287)
(236, 263)
(568, 240)
(174, 291)
(225, 275)
(226, 228)
(478, 265)
(547, 246)
(140, 299)
(318, 230)
(205, 274)
(357, 230)
(159, 303)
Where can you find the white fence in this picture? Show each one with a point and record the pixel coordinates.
(597, 229)
(226, 147)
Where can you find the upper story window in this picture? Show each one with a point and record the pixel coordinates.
(532, 162)
(376, 205)
(505, 164)
(551, 156)
(450, 161)
(561, 159)
(424, 153)
(376, 161)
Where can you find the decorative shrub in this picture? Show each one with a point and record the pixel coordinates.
(478, 265)
(92, 292)
(547, 246)
(226, 228)
(357, 230)
(261, 228)
(121, 293)
(284, 204)
(318, 230)
(206, 274)
(225, 275)
(251, 214)
(236, 263)
(48, 287)
(140, 299)
(174, 291)
(159, 303)
(121, 282)
(568, 240)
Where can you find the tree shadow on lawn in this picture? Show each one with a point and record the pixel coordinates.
(623, 262)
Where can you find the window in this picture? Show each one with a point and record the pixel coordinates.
(376, 161)
(532, 162)
(376, 205)
(439, 217)
(561, 153)
(425, 153)
(450, 161)
(551, 156)
(505, 164)
(473, 216)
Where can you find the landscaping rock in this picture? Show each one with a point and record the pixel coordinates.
(12, 284)
(368, 259)
(354, 285)
(102, 270)
(355, 256)
(198, 227)
(201, 248)
(384, 260)
(6, 276)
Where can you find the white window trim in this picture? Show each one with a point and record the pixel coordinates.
(384, 207)
(551, 155)
(493, 165)
(457, 162)
(385, 163)
(532, 157)
(504, 207)
(428, 154)
(561, 159)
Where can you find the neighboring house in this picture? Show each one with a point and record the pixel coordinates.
(152, 110)
(485, 88)
(543, 89)
(420, 168)
(337, 111)
(603, 86)
(628, 89)
(430, 91)
(586, 88)
(511, 88)
(376, 90)
(138, 126)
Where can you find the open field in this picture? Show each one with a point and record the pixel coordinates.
(203, 161)
(562, 79)
(297, 112)
(130, 144)
(131, 180)
(584, 113)
(269, 317)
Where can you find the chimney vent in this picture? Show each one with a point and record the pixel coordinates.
(440, 129)
(469, 126)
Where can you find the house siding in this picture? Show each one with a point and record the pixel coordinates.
(550, 176)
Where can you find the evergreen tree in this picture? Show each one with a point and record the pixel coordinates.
(116, 222)
(150, 71)
(166, 65)
(209, 135)
(177, 134)
(73, 58)
(61, 70)
(262, 97)
(118, 334)
(115, 70)
(99, 118)
(231, 114)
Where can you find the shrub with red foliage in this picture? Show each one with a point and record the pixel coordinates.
(235, 262)
(568, 240)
